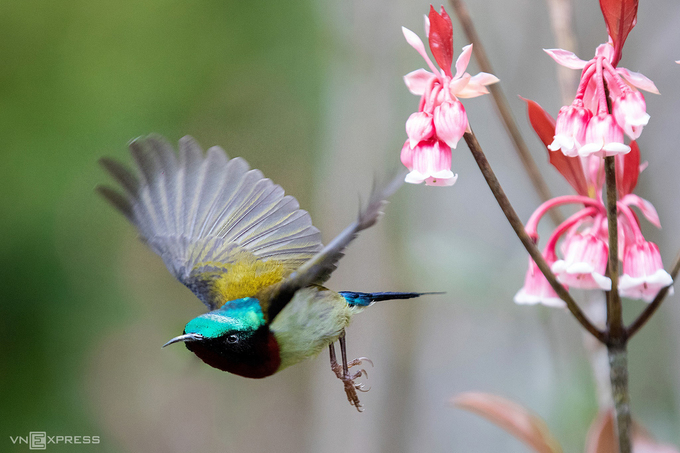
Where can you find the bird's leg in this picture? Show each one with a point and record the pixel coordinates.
(342, 372)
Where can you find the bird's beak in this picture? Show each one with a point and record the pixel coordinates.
(185, 337)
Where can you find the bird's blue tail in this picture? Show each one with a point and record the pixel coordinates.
(355, 299)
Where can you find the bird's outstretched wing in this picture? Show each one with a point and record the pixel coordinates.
(223, 230)
(323, 263)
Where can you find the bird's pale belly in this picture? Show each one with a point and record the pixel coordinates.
(312, 320)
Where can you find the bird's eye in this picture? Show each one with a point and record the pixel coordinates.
(231, 339)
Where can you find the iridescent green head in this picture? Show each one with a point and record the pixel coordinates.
(241, 315)
(233, 338)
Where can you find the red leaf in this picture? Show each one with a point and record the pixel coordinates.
(620, 17)
(628, 170)
(512, 417)
(441, 39)
(569, 167)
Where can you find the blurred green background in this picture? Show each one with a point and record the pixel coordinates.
(311, 93)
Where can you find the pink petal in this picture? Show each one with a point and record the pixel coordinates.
(463, 60)
(566, 58)
(415, 177)
(418, 81)
(484, 78)
(472, 91)
(417, 44)
(445, 179)
(476, 85)
(457, 86)
(644, 206)
(407, 155)
(645, 288)
(638, 80)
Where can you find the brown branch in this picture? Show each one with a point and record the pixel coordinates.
(615, 327)
(528, 243)
(652, 307)
(504, 111)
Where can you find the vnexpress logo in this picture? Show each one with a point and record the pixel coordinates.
(39, 440)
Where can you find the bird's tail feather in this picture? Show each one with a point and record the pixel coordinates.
(356, 299)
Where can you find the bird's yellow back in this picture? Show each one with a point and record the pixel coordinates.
(245, 278)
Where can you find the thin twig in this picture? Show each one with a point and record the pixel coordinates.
(528, 243)
(561, 15)
(652, 307)
(615, 327)
(504, 111)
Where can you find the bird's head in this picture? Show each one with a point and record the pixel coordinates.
(233, 338)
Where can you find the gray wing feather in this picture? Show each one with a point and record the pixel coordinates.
(198, 212)
(323, 263)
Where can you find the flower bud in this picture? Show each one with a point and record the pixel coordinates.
(450, 122)
(419, 127)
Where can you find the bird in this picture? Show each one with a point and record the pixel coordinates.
(249, 253)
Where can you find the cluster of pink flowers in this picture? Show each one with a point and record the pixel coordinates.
(586, 127)
(441, 120)
(585, 239)
(608, 106)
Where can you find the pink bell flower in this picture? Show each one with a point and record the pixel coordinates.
(603, 137)
(428, 162)
(584, 263)
(537, 290)
(643, 273)
(630, 112)
(570, 128)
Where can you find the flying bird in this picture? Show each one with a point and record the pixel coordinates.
(249, 253)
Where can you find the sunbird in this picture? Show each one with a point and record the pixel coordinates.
(249, 253)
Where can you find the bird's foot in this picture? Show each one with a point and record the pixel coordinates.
(342, 371)
(348, 380)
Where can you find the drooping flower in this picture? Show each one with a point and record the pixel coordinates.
(429, 162)
(603, 137)
(441, 120)
(643, 273)
(584, 264)
(537, 290)
(570, 128)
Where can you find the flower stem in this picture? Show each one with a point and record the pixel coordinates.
(528, 243)
(504, 111)
(618, 366)
(617, 336)
(615, 328)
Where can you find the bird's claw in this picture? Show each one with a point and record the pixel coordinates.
(348, 380)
